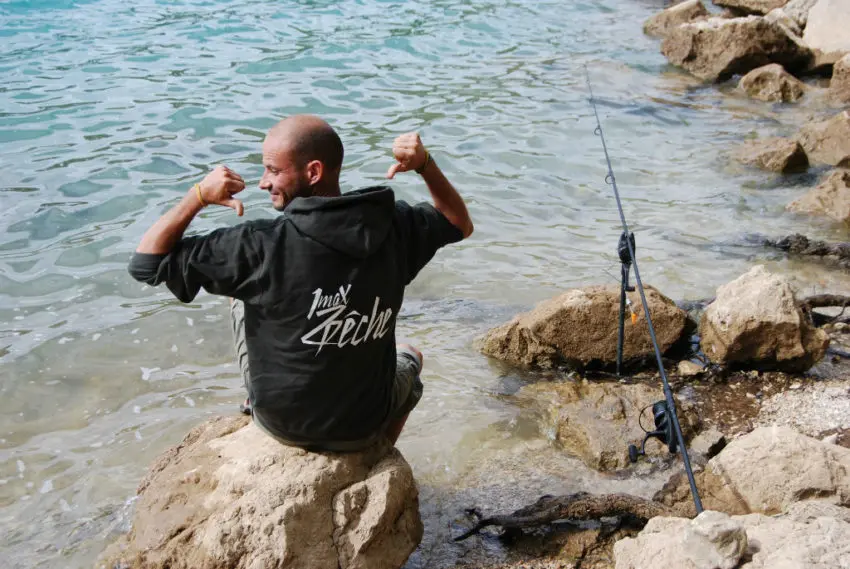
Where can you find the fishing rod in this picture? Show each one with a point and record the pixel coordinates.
(666, 419)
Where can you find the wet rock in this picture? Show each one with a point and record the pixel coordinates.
(765, 471)
(716, 540)
(782, 155)
(580, 327)
(718, 48)
(798, 10)
(828, 28)
(230, 496)
(773, 84)
(597, 421)
(755, 321)
(759, 7)
(831, 198)
(839, 85)
(688, 11)
(828, 141)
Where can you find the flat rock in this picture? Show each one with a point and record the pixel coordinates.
(718, 48)
(760, 7)
(229, 496)
(828, 141)
(754, 321)
(682, 13)
(715, 540)
(782, 155)
(773, 84)
(830, 198)
(765, 471)
(597, 421)
(839, 85)
(828, 27)
(580, 327)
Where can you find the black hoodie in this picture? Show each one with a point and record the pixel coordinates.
(322, 286)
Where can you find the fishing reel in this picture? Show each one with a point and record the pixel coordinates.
(623, 248)
(663, 431)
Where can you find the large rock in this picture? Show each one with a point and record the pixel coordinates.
(828, 141)
(765, 471)
(828, 28)
(230, 497)
(719, 48)
(839, 85)
(798, 10)
(597, 421)
(761, 7)
(683, 13)
(788, 23)
(755, 321)
(715, 540)
(773, 84)
(774, 154)
(580, 327)
(831, 198)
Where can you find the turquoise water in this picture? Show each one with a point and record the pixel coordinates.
(110, 110)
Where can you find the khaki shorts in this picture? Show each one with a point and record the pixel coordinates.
(407, 387)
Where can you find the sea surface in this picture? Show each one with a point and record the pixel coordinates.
(110, 111)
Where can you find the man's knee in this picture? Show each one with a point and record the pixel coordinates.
(413, 350)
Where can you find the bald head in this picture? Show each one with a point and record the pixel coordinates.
(309, 138)
(302, 156)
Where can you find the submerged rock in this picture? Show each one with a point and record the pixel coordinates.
(830, 198)
(828, 29)
(765, 471)
(597, 421)
(773, 84)
(229, 496)
(682, 13)
(755, 321)
(828, 141)
(716, 540)
(839, 85)
(775, 154)
(581, 326)
(719, 48)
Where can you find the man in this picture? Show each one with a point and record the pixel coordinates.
(321, 286)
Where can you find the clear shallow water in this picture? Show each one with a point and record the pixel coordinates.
(110, 110)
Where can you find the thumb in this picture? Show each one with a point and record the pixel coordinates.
(235, 204)
(394, 170)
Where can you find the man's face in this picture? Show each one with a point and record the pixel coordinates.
(282, 176)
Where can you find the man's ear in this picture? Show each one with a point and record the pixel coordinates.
(315, 171)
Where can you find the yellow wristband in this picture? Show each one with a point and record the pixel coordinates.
(427, 161)
(200, 199)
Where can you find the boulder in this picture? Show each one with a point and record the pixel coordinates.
(718, 48)
(828, 28)
(580, 327)
(798, 10)
(839, 85)
(773, 84)
(229, 496)
(760, 7)
(774, 154)
(831, 198)
(715, 540)
(597, 421)
(688, 11)
(755, 321)
(779, 16)
(828, 141)
(765, 471)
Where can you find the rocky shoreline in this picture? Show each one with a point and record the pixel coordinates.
(760, 381)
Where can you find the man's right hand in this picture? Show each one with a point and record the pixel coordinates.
(219, 187)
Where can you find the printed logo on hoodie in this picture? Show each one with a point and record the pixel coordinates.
(339, 325)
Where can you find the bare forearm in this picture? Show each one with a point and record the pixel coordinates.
(446, 199)
(163, 235)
